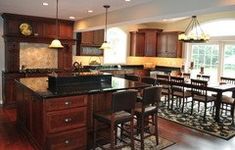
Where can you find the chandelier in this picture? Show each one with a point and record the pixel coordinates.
(193, 33)
(56, 43)
(105, 44)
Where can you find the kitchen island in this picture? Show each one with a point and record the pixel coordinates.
(62, 119)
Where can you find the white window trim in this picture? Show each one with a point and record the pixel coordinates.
(221, 41)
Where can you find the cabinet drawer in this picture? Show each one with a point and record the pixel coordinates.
(65, 102)
(75, 139)
(66, 119)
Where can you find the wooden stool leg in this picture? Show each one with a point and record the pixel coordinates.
(132, 134)
(112, 138)
(156, 129)
(94, 134)
(142, 133)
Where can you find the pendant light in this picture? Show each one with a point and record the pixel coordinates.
(105, 45)
(56, 43)
(194, 33)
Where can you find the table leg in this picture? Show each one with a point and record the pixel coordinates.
(217, 105)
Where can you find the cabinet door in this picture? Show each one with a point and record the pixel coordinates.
(137, 44)
(66, 31)
(50, 29)
(87, 37)
(150, 43)
(98, 37)
(12, 56)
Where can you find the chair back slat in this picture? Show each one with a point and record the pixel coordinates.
(228, 81)
(177, 84)
(199, 88)
(123, 100)
(203, 77)
(152, 95)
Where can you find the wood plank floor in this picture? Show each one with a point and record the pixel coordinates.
(185, 138)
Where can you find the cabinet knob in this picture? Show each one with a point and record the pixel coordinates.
(66, 141)
(66, 120)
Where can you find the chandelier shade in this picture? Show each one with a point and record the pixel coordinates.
(56, 43)
(105, 44)
(193, 33)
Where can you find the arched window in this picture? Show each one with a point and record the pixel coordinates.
(118, 52)
(216, 56)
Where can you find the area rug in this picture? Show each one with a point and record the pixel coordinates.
(149, 144)
(222, 130)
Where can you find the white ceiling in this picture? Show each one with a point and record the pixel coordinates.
(76, 8)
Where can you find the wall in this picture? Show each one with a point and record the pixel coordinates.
(38, 55)
(2, 58)
(156, 10)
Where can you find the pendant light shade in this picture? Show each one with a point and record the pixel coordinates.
(105, 44)
(194, 33)
(56, 43)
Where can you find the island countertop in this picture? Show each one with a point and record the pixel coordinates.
(39, 85)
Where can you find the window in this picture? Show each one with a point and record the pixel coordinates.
(118, 41)
(218, 55)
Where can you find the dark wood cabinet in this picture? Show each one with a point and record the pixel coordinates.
(88, 43)
(92, 38)
(137, 44)
(144, 42)
(43, 31)
(169, 45)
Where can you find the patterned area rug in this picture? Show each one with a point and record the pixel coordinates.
(195, 121)
(149, 143)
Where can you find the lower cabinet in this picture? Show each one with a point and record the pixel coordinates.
(52, 123)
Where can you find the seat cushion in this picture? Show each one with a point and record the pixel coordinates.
(121, 116)
(148, 109)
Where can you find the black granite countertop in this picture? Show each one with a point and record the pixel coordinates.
(39, 85)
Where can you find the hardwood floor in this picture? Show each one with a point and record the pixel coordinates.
(185, 138)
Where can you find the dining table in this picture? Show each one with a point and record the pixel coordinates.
(218, 88)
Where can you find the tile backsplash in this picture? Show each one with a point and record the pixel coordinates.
(38, 55)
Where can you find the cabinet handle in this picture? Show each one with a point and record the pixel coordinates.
(66, 120)
(67, 103)
(66, 141)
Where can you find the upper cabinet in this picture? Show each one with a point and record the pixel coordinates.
(88, 43)
(36, 27)
(169, 45)
(144, 42)
(155, 43)
(92, 38)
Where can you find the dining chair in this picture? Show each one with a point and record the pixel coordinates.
(203, 77)
(122, 111)
(148, 107)
(228, 100)
(179, 91)
(199, 94)
(164, 80)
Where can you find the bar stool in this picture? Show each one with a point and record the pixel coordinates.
(122, 111)
(148, 107)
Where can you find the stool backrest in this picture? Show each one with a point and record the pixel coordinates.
(203, 77)
(131, 77)
(123, 100)
(148, 80)
(152, 95)
(177, 84)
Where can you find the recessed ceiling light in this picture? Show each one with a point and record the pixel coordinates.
(45, 4)
(127, 0)
(71, 17)
(90, 11)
